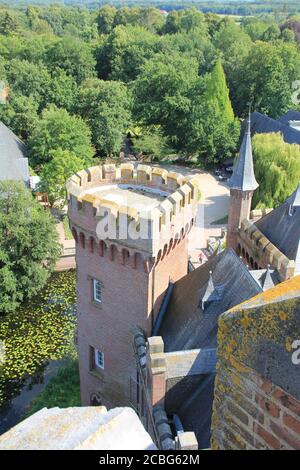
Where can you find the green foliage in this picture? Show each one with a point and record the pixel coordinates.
(49, 52)
(185, 20)
(8, 22)
(277, 168)
(58, 129)
(62, 391)
(41, 330)
(63, 165)
(20, 114)
(233, 43)
(74, 56)
(27, 78)
(153, 143)
(123, 53)
(265, 76)
(28, 248)
(214, 130)
(61, 90)
(162, 94)
(106, 107)
(105, 19)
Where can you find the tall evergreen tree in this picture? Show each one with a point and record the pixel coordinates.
(214, 129)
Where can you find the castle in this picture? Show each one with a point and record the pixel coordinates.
(263, 238)
(130, 228)
(150, 333)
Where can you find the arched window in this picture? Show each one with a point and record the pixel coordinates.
(125, 257)
(74, 233)
(91, 244)
(82, 239)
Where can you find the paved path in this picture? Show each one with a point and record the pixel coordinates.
(67, 260)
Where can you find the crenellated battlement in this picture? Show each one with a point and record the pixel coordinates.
(256, 214)
(143, 207)
(265, 250)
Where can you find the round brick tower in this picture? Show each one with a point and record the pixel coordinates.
(130, 228)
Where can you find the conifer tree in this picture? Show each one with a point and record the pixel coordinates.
(214, 129)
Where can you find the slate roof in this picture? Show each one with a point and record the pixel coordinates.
(192, 400)
(13, 161)
(186, 325)
(266, 278)
(261, 124)
(243, 177)
(282, 226)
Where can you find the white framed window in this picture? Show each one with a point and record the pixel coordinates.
(99, 359)
(97, 291)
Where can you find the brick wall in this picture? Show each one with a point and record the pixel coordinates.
(131, 297)
(254, 414)
(239, 209)
(257, 387)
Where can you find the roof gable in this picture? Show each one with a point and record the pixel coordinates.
(186, 325)
(282, 226)
(13, 161)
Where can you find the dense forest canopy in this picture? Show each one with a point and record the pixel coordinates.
(226, 7)
(80, 80)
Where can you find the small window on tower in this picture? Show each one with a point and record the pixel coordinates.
(97, 291)
(96, 359)
(99, 359)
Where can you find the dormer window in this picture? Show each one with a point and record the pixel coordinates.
(211, 294)
(292, 210)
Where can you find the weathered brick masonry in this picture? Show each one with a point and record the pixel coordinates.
(257, 390)
(134, 274)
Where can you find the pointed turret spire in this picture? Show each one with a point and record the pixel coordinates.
(243, 177)
(267, 281)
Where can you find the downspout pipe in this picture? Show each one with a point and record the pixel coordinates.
(163, 309)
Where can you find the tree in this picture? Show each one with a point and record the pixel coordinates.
(214, 131)
(106, 106)
(152, 142)
(105, 19)
(233, 43)
(58, 129)
(288, 35)
(162, 94)
(61, 90)
(277, 169)
(255, 28)
(29, 246)
(54, 174)
(20, 114)
(264, 77)
(8, 22)
(185, 21)
(293, 25)
(124, 52)
(27, 78)
(272, 33)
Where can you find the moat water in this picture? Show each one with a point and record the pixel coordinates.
(36, 339)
